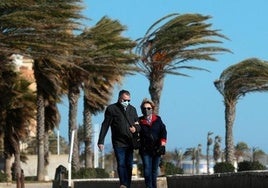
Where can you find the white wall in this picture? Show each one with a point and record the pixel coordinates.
(30, 168)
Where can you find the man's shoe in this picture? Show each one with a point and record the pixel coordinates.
(123, 186)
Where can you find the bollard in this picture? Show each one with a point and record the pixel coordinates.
(59, 176)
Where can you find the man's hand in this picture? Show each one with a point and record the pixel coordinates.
(132, 129)
(101, 147)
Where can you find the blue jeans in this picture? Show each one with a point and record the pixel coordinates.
(150, 169)
(124, 158)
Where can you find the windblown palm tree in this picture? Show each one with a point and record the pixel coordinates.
(111, 56)
(42, 30)
(17, 107)
(49, 91)
(250, 75)
(242, 152)
(191, 152)
(97, 93)
(257, 154)
(166, 48)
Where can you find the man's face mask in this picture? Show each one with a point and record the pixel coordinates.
(125, 103)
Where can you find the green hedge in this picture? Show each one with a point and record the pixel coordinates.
(85, 173)
(3, 177)
(223, 167)
(250, 165)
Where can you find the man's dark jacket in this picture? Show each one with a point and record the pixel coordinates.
(114, 117)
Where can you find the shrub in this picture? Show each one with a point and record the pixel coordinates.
(249, 165)
(3, 177)
(168, 168)
(223, 167)
(101, 173)
(84, 173)
(171, 169)
(30, 178)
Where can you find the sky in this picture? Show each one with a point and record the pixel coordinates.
(191, 106)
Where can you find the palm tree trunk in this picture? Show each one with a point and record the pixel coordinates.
(46, 150)
(18, 169)
(209, 142)
(15, 143)
(40, 137)
(193, 167)
(155, 90)
(197, 161)
(8, 168)
(229, 121)
(207, 159)
(73, 97)
(87, 135)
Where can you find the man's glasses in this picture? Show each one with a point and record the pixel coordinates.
(148, 108)
(128, 100)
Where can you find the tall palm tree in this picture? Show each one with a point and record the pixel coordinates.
(44, 31)
(97, 94)
(73, 96)
(48, 93)
(7, 77)
(250, 75)
(166, 48)
(17, 106)
(97, 62)
(111, 56)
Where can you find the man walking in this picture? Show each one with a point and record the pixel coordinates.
(123, 120)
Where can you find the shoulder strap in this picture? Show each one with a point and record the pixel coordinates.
(124, 114)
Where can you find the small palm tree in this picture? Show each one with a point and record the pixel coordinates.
(209, 143)
(178, 157)
(257, 154)
(165, 49)
(190, 152)
(217, 149)
(198, 157)
(250, 75)
(241, 151)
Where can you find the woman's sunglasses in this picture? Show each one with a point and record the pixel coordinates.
(148, 108)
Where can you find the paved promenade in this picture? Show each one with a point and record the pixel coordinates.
(27, 185)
